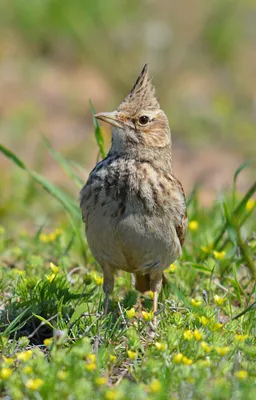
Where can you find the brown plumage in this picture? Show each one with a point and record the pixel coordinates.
(132, 205)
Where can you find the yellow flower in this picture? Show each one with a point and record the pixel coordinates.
(91, 358)
(5, 373)
(132, 354)
(171, 269)
(219, 300)
(204, 363)
(240, 338)
(43, 238)
(222, 351)
(193, 225)
(130, 313)
(241, 374)
(58, 232)
(18, 271)
(51, 277)
(215, 326)
(148, 316)
(186, 361)
(160, 346)
(205, 321)
(219, 255)
(54, 268)
(188, 335)
(27, 370)
(62, 375)
(151, 294)
(206, 347)
(34, 384)
(48, 342)
(196, 303)
(198, 335)
(111, 394)
(102, 380)
(112, 358)
(90, 367)
(250, 204)
(97, 279)
(24, 355)
(177, 359)
(154, 386)
(8, 360)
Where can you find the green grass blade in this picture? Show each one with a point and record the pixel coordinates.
(98, 134)
(9, 154)
(63, 163)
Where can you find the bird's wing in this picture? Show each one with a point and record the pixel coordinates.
(181, 224)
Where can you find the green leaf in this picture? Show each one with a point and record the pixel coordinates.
(79, 311)
(98, 134)
(9, 154)
(43, 320)
(201, 268)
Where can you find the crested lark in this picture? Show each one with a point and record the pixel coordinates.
(132, 205)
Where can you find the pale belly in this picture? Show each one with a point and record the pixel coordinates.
(134, 242)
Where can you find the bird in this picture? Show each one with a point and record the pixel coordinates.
(133, 207)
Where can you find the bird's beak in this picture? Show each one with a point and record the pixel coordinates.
(111, 118)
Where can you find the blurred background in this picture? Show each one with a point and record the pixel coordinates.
(57, 54)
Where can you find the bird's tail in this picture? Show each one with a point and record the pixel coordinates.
(142, 282)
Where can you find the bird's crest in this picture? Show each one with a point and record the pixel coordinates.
(142, 96)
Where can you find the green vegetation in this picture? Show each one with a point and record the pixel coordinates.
(54, 340)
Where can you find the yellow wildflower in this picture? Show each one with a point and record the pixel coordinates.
(97, 279)
(48, 342)
(148, 316)
(101, 380)
(151, 294)
(198, 335)
(204, 363)
(154, 386)
(219, 300)
(219, 255)
(171, 268)
(27, 370)
(250, 204)
(24, 355)
(177, 359)
(58, 232)
(188, 335)
(34, 384)
(18, 271)
(43, 238)
(241, 374)
(111, 394)
(54, 268)
(205, 321)
(8, 360)
(207, 249)
(112, 358)
(186, 361)
(196, 303)
(90, 366)
(5, 373)
(132, 354)
(206, 347)
(160, 346)
(193, 225)
(91, 358)
(222, 351)
(215, 326)
(240, 338)
(62, 375)
(130, 313)
(51, 277)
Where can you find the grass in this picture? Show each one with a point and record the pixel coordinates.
(55, 342)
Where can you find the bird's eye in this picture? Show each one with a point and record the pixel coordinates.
(143, 120)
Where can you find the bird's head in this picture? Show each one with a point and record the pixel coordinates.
(139, 120)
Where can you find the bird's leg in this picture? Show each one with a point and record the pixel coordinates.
(108, 285)
(155, 286)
